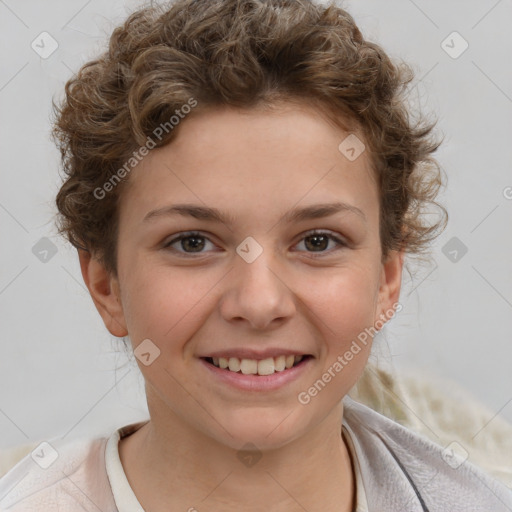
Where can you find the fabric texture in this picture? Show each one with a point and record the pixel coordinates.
(399, 471)
(75, 480)
(405, 472)
(440, 410)
(124, 496)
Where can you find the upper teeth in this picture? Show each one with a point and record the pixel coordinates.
(253, 366)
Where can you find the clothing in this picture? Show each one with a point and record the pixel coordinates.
(396, 470)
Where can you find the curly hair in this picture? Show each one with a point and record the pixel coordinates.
(244, 54)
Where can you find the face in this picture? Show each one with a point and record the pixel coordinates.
(279, 274)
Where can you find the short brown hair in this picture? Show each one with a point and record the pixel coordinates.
(245, 54)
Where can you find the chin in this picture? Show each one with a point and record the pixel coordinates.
(266, 430)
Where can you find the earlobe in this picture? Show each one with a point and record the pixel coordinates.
(105, 293)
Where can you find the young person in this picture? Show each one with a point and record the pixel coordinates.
(243, 184)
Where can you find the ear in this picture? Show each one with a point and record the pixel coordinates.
(390, 284)
(105, 293)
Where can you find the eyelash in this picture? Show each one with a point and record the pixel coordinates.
(191, 234)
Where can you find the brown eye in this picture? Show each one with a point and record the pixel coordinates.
(194, 243)
(318, 241)
(188, 243)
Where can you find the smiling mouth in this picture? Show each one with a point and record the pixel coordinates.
(260, 367)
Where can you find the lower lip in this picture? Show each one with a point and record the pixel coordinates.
(259, 382)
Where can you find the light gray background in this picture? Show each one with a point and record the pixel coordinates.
(62, 373)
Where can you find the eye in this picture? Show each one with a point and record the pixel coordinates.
(192, 240)
(318, 241)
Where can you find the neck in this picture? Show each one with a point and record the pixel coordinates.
(172, 467)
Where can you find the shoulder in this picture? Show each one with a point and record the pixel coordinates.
(66, 474)
(402, 470)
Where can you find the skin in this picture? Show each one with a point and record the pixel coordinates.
(256, 165)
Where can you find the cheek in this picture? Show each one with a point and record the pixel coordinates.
(166, 306)
(345, 304)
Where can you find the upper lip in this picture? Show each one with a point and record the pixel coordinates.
(247, 353)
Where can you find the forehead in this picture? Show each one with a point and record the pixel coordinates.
(259, 159)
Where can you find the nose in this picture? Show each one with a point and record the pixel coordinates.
(258, 294)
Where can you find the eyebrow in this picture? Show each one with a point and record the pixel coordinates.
(315, 211)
